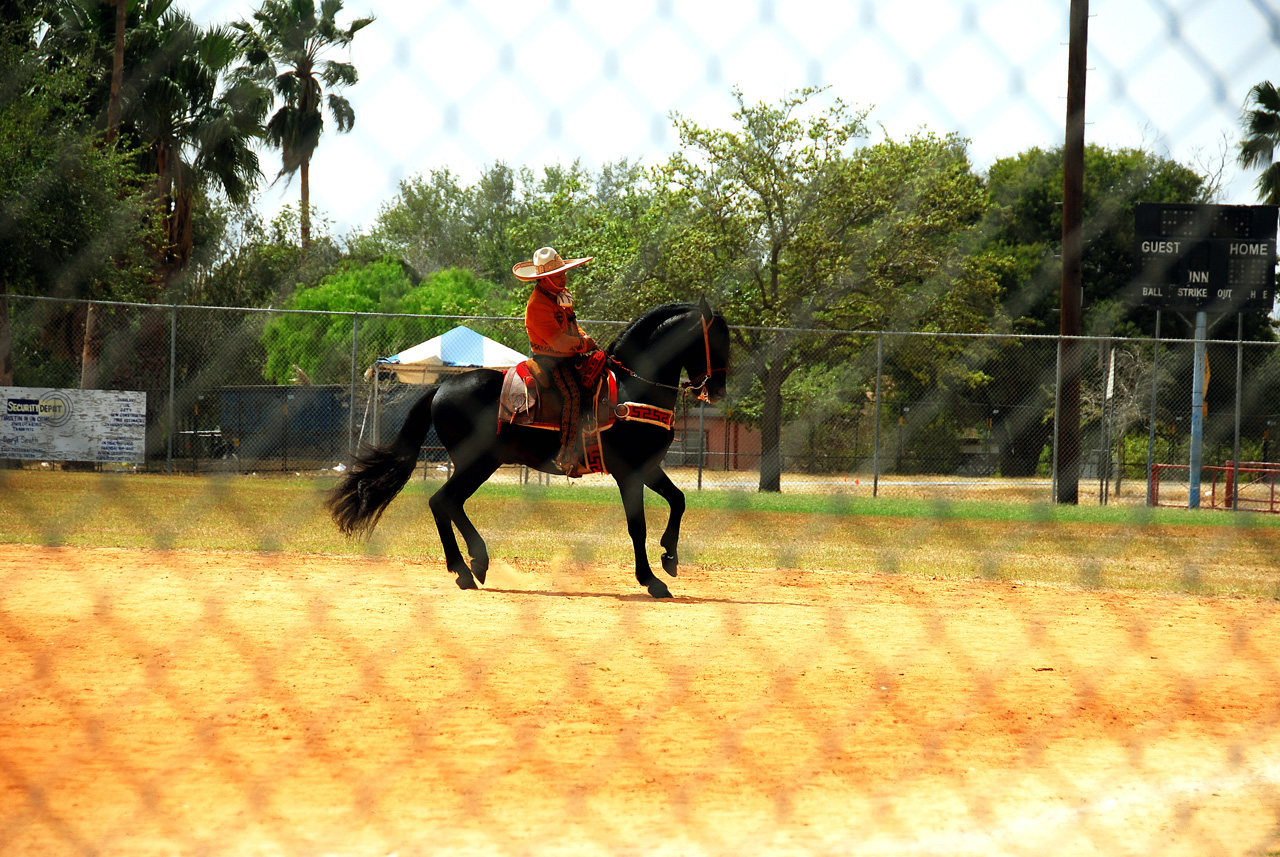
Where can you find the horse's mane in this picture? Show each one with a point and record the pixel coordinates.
(644, 326)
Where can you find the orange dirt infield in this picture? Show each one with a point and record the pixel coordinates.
(158, 703)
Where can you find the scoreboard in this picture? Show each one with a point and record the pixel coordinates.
(1196, 258)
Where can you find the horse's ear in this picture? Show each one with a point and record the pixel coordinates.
(704, 307)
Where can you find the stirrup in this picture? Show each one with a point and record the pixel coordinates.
(571, 468)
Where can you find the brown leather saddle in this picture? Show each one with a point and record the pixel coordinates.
(527, 400)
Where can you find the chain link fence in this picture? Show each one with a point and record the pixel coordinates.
(908, 650)
(926, 413)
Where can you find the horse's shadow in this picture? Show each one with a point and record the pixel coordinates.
(639, 596)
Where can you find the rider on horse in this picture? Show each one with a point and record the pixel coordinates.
(556, 340)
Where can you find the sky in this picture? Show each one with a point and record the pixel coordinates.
(460, 84)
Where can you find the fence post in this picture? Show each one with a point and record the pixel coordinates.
(875, 454)
(702, 439)
(351, 410)
(1151, 433)
(1197, 411)
(1104, 429)
(1235, 455)
(1057, 413)
(375, 424)
(173, 359)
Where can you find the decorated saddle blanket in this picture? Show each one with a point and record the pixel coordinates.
(531, 399)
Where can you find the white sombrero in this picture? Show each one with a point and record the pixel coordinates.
(545, 263)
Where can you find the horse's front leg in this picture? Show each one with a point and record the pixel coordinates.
(632, 488)
(661, 483)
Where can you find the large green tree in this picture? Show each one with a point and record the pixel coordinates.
(285, 45)
(319, 345)
(790, 221)
(1025, 224)
(1261, 120)
(608, 215)
(258, 264)
(435, 222)
(427, 223)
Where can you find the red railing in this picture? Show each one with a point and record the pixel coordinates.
(1256, 486)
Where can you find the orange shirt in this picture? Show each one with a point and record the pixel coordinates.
(551, 323)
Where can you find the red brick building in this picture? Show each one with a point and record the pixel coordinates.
(726, 445)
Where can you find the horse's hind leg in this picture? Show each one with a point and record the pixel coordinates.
(661, 483)
(447, 509)
(474, 541)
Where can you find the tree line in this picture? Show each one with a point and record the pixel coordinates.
(129, 165)
(129, 134)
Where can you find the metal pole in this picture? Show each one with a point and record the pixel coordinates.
(1197, 411)
(875, 454)
(1151, 433)
(1235, 454)
(173, 360)
(351, 410)
(1108, 411)
(702, 439)
(1057, 422)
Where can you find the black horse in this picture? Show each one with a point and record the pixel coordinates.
(648, 357)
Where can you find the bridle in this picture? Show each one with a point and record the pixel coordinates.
(698, 385)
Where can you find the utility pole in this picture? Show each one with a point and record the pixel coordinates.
(1067, 424)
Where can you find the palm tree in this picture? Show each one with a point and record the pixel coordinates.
(192, 122)
(195, 135)
(117, 70)
(166, 105)
(284, 49)
(1262, 135)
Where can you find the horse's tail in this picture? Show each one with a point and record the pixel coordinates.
(378, 473)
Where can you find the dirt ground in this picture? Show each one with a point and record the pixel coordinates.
(156, 703)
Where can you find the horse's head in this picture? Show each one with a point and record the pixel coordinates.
(707, 361)
(673, 338)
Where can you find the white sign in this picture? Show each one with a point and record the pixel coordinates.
(72, 425)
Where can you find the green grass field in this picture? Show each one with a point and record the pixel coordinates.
(1202, 552)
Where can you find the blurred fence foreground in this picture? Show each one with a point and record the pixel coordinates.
(204, 666)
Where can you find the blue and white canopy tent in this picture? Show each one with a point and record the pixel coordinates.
(452, 352)
(457, 350)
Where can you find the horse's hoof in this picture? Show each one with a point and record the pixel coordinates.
(480, 568)
(669, 563)
(466, 581)
(658, 589)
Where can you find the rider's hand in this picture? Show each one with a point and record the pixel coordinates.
(588, 343)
